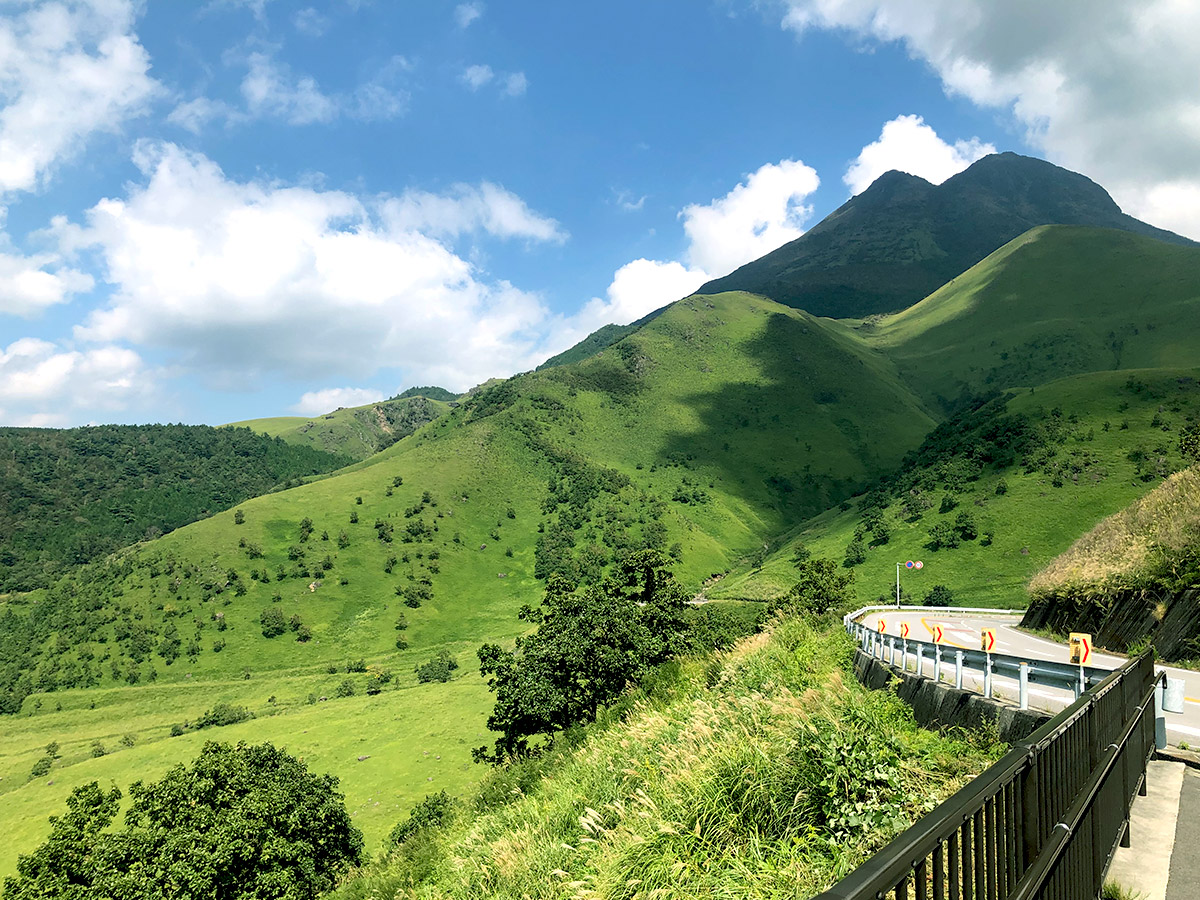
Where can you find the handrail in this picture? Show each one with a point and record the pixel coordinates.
(1013, 830)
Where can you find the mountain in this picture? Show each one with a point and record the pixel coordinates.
(903, 238)
(358, 431)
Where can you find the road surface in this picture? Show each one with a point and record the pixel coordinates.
(962, 630)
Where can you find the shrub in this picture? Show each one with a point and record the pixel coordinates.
(345, 689)
(223, 714)
(939, 595)
(432, 812)
(437, 669)
(272, 621)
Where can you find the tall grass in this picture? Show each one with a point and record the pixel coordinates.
(1130, 545)
(764, 772)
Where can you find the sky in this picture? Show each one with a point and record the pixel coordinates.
(215, 211)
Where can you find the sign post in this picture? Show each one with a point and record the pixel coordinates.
(1081, 651)
(910, 564)
(988, 642)
(938, 637)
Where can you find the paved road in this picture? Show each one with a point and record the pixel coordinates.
(962, 630)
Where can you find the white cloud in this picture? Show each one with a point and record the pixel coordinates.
(764, 212)
(466, 13)
(907, 144)
(515, 85)
(309, 21)
(44, 384)
(271, 90)
(240, 280)
(476, 77)
(637, 288)
(465, 208)
(67, 70)
(195, 115)
(315, 403)
(1107, 89)
(30, 284)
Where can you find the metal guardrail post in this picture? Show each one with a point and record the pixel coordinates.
(987, 677)
(1160, 721)
(891, 651)
(958, 669)
(1023, 690)
(920, 660)
(904, 654)
(937, 663)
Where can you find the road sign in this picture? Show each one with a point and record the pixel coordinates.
(988, 639)
(882, 625)
(918, 565)
(1081, 647)
(909, 564)
(903, 629)
(938, 635)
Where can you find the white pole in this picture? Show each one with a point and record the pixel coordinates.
(897, 585)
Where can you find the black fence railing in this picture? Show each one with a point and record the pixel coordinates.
(1042, 822)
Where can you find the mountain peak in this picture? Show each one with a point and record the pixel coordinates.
(902, 238)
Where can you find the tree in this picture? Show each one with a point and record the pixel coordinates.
(272, 621)
(588, 645)
(822, 587)
(939, 595)
(242, 821)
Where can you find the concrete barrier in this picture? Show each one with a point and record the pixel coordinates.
(941, 706)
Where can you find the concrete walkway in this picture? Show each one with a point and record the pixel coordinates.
(1147, 866)
(1185, 861)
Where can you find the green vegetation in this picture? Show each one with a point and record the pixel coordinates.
(76, 495)
(1025, 474)
(763, 772)
(359, 431)
(241, 821)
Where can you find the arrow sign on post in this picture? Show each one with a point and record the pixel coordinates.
(988, 639)
(903, 629)
(938, 635)
(882, 625)
(1081, 647)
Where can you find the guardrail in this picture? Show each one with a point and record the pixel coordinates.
(1067, 676)
(1043, 821)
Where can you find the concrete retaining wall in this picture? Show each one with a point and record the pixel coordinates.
(942, 706)
(1122, 618)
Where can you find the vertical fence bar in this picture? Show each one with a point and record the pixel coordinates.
(919, 881)
(989, 818)
(955, 843)
(980, 854)
(939, 871)
(968, 859)
(958, 669)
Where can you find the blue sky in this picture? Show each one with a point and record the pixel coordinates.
(225, 210)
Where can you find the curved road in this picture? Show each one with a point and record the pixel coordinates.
(962, 630)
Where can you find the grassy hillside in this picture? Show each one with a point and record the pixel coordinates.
(1056, 301)
(74, 495)
(359, 431)
(903, 238)
(767, 772)
(1033, 470)
(1154, 539)
(714, 427)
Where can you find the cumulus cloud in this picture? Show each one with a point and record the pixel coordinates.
(67, 70)
(314, 403)
(1109, 91)
(238, 280)
(476, 77)
(47, 385)
(907, 144)
(760, 214)
(195, 115)
(30, 284)
(466, 13)
(466, 208)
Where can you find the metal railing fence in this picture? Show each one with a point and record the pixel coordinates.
(1042, 822)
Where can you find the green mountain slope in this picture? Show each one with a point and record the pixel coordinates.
(712, 428)
(77, 494)
(1055, 301)
(357, 431)
(1030, 470)
(903, 238)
